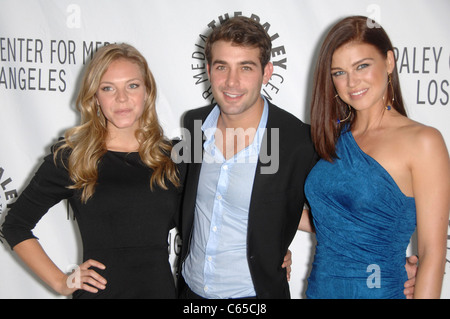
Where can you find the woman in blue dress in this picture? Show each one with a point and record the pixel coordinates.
(380, 176)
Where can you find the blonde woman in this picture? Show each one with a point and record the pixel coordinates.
(116, 172)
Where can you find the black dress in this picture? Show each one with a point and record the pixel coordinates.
(124, 225)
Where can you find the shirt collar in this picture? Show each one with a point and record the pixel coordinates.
(210, 125)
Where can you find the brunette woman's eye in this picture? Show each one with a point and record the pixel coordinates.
(362, 66)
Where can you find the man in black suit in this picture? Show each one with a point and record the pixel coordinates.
(244, 187)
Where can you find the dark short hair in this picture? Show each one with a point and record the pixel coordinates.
(241, 31)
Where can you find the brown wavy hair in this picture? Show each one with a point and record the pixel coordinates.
(86, 143)
(241, 31)
(326, 109)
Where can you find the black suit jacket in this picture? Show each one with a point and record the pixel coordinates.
(277, 197)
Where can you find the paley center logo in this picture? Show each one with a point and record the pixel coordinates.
(190, 148)
(7, 194)
(279, 58)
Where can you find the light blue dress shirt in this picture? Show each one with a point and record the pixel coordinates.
(217, 265)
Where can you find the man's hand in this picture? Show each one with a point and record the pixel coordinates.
(287, 262)
(411, 270)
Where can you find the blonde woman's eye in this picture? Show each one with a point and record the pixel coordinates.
(134, 86)
(106, 88)
(338, 73)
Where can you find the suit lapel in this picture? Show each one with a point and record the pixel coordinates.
(262, 180)
(194, 168)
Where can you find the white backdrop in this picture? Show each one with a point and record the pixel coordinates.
(44, 45)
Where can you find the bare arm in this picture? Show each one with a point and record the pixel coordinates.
(431, 176)
(31, 252)
(306, 222)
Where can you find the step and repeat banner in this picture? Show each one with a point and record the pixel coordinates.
(45, 45)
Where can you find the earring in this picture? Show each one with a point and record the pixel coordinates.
(388, 107)
(348, 116)
(98, 107)
(349, 113)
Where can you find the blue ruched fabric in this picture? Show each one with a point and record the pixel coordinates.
(363, 226)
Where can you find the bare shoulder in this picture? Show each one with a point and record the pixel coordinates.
(421, 140)
(422, 135)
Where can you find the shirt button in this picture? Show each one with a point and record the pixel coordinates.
(225, 167)
(205, 288)
(214, 229)
(219, 197)
(209, 258)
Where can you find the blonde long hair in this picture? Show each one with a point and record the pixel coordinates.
(86, 143)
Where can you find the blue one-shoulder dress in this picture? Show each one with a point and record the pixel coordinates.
(363, 226)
